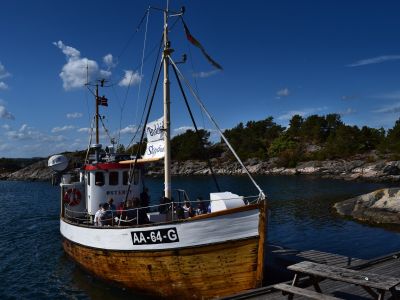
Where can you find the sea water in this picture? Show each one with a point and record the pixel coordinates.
(34, 266)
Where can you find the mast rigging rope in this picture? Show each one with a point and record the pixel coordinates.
(196, 97)
(132, 168)
(140, 80)
(197, 131)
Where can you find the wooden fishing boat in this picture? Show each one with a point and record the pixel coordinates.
(159, 250)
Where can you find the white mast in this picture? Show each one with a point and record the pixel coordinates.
(167, 101)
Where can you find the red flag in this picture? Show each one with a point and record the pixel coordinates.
(102, 101)
(198, 45)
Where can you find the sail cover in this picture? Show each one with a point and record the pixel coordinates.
(155, 139)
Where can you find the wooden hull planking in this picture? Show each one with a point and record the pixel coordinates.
(191, 273)
(196, 272)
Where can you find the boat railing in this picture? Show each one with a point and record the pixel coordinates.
(127, 216)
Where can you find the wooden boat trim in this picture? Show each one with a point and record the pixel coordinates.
(172, 251)
(140, 160)
(262, 232)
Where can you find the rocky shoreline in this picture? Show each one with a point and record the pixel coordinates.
(380, 170)
(381, 207)
(357, 169)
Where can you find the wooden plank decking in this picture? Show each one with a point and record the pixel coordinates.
(388, 265)
(303, 292)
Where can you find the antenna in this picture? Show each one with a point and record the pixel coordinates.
(87, 73)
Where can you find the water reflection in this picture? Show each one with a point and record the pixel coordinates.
(33, 265)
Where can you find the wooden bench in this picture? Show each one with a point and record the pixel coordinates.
(368, 281)
(303, 292)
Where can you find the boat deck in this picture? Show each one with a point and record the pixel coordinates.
(388, 265)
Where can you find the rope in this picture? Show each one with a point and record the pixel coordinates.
(130, 80)
(197, 131)
(106, 130)
(90, 140)
(133, 34)
(132, 169)
(147, 96)
(261, 195)
(141, 68)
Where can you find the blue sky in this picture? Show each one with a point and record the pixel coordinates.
(279, 58)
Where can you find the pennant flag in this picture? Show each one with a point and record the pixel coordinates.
(102, 101)
(198, 45)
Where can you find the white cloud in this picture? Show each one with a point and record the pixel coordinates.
(29, 133)
(282, 93)
(182, 129)
(84, 129)
(129, 129)
(3, 85)
(304, 112)
(205, 74)
(105, 74)
(6, 127)
(130, 78)
(6, 147)
(64, 128)
(78, 70)
(348, 97)
(214, 133)
(109, 61)
(348, 111)
(393, 108)
(390, 96)
(374, 60)
(5, 114)
(74, 115)
(3, 72)
(23, 133)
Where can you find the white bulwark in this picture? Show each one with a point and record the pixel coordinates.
(204, 231)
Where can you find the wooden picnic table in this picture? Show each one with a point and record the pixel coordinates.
(376, 285)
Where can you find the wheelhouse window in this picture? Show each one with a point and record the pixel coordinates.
(136, 177)
(113, 178)
(125, 177)
(99, 178)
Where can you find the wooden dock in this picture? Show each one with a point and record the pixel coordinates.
(387, 266)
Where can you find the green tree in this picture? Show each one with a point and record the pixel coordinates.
(313, 129)
(254, 139)
(371, 138)
(132, 150)
(295, 125)
(287, 150)
(344, 142)
(190, 145)
(333, 121)
(393, 138)
(120, 148)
